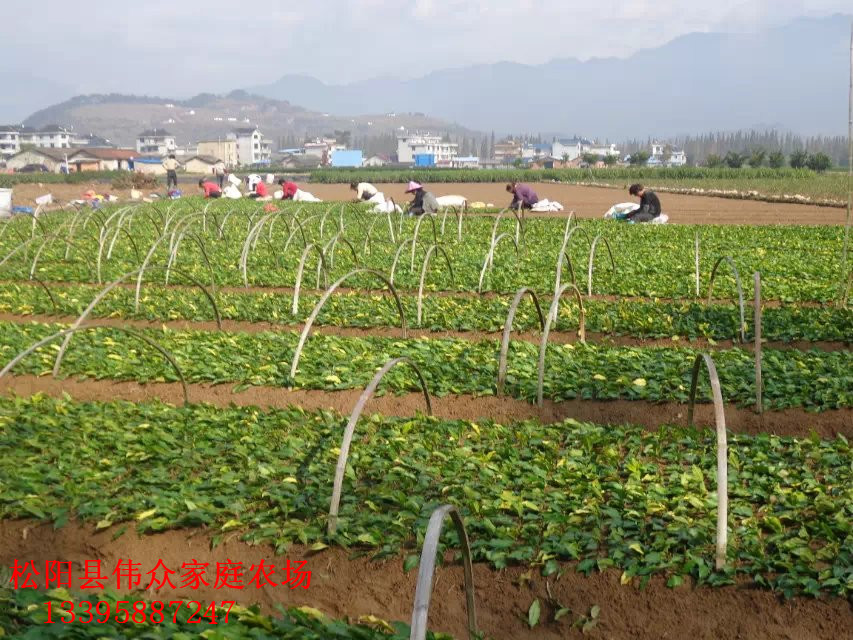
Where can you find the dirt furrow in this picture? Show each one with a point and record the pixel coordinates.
(790, 422)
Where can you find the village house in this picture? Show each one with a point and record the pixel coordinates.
(155, 142)
(252, 149)
(226, 149)
(52, 159)
(199, 164)
(411, 145)
(94, 159)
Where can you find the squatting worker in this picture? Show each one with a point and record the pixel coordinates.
(423, 202)
(649, 204)
(259, 190)
(171, 167)
(288, 189)
(363, 190)
(211, 190)
(522, 195)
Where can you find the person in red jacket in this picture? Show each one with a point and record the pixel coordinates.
(288, 188)
(260, 190)
(211, 190)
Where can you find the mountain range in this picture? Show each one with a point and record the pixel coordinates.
(121, 118)
(794, 77)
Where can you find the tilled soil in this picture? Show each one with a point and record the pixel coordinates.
(343, 585)
(586, 202)
(592, 202)
(790, 422)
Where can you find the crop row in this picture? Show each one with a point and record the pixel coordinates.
(634, 318)
(814, 380)
(763, 181)
(24, 614)
(796, 263)
(604, 497)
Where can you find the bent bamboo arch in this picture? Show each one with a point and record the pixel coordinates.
(564, 253)
(366, 395)
(423, 591)
(397, 254)
(513, 308)
(328, 294)
(424, 268)
(68, 332)
(490, 257)
(592, 260)
(552, 317)
(731, 263)
(722, 449)
(431, 219)
(321, 267)
(102, 294)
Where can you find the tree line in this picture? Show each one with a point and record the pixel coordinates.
(757, 148)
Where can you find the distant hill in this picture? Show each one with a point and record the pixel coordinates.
(121, 117)
(793, 76)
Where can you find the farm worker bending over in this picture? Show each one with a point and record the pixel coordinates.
(171, 167)
(649, 204)
(423, 202)
(259, 190)
(210, 189)
(522, 195)
(363, 190)
(288, 189)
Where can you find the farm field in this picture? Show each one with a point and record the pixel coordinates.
(195, 367)
(592, 202)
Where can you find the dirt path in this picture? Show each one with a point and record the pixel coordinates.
(345, 586)
(790, 422)
(592, 202)
(587, 202)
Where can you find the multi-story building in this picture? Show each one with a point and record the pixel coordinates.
(535, 151)
(251, 147)
(568, 149)
(507, 151)
(10, 140)
(666, 155)
(225, 150)
(50, 137)
(410, 145)
(90, 140)
(157, 142)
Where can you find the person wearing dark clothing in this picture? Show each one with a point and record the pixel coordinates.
(522, 195)
(649, 204)
(423, 202)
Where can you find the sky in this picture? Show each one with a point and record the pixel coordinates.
(177, 48)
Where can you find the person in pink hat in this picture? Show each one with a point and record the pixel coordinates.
(423, 202)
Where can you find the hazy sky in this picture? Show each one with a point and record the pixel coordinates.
(181, 47)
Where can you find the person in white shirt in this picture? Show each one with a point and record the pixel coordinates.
(171, 166)
(363, 190)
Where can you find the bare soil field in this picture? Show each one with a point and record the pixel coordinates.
(343, 585)
(586, 202)
(592, 202)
